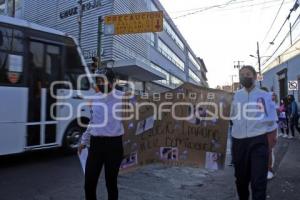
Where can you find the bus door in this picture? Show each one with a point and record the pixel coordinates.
(45, 67)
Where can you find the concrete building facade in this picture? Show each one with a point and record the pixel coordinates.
(282, 70)
(154, 61)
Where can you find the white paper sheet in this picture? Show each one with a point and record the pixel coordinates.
(15, 63)
(83, 157)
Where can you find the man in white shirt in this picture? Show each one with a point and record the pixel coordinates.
(253, 116)
(104, 137)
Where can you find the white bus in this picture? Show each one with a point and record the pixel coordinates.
(32, 57)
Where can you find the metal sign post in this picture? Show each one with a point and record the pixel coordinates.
(99, 40)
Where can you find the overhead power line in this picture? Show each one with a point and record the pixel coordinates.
(296, 22)
(287, 18)
(200, 8)
(264, 4)
(223, 7)
(206, 8)
(273, 22)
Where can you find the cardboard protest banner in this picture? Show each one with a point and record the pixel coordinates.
(185, 126)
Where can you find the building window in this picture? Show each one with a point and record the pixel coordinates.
(2, 7)
(175, 82)
(18, 9)
(165, 81)
(6, 7)
(150, 5)
(193, 76)
(152, 39)
(169, 30)
(193, 60)
(170, 55)
(170, 80)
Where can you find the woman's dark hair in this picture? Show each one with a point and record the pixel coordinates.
(249, 67)
(291, 97)
(108, 72)
(285, 102)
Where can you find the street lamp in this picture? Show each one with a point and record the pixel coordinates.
(260, 56)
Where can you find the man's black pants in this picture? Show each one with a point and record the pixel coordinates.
(107, 151)
(250, 157)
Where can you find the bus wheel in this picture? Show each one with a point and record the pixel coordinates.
(72, 137)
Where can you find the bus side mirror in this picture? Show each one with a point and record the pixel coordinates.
(1, 38)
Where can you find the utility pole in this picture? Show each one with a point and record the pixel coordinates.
(232, 82)
(238, 66)
(80, 22)
(259, 65)
(13, 8)
(291, 38)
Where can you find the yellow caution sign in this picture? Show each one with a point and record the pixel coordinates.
(134, 23)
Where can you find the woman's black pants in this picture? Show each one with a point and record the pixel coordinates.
(294, 123)
(250, 158)
(107, 152)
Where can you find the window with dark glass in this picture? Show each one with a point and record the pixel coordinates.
(2, 7)
(11, 40)
(11, 56)
(169, 54)
(74, 69)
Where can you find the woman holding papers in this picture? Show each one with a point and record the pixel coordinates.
(253, 115)
(104, 137)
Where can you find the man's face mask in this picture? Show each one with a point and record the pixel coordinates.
(247, 82)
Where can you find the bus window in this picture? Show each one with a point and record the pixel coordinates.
(12, 40)
(74, 69)
(53, 64)
(36, 55)
(11, 56)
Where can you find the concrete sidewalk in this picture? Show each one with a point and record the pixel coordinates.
(286, 184)
(162, 182)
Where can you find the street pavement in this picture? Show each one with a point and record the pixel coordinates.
(286, 185)
(53, 175)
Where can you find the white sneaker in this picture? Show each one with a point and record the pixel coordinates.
(285, 136)
(290, 137)
(270, 175)
(280, 134)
